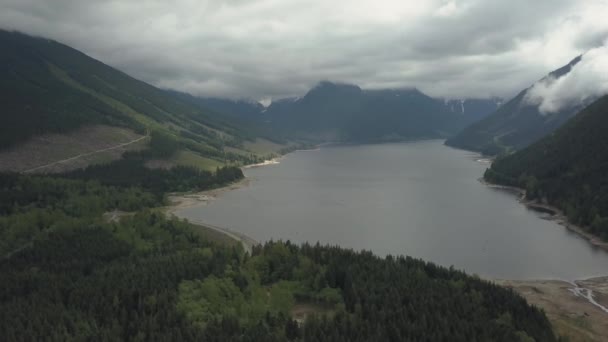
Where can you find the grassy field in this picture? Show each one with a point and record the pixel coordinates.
(187, 158)
(263, 146)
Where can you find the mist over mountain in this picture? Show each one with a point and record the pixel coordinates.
(568, 168)
(539, 109)
(242, 109)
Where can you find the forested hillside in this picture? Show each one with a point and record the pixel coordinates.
(48, 87)
(69, 274)
(514, 125)
(568, 169)
(89, 255)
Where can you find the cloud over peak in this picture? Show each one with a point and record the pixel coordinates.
(279, 48)
(587, 81)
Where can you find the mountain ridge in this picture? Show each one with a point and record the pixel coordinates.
(50, 88)
(346, 112)
(516, 124)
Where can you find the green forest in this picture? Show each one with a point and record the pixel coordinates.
(70, 273)
(90, 255)
(48, 87)
(568, 169)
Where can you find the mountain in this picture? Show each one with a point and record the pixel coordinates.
(567, 168)
(338, 111)
(516, 124)
(51, 90)
(473, 110)
(93, 254)
(346, 112)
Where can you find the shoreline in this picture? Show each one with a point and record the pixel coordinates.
(184, 200)
(179, 201)
(273, 161)
(576, 309)
(556, 214)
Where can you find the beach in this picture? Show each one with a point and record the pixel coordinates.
(179, 201)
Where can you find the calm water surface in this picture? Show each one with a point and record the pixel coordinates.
(421, 199)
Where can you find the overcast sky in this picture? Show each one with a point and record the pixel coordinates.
(279, 48)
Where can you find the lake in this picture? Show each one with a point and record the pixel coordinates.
(421, 199)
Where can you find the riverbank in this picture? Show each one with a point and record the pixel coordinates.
(577, 310)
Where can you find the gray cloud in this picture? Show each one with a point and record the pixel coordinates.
(279, 48)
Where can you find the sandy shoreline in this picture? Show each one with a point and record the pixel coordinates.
(576, 310)
(179, 201)
(272, 161)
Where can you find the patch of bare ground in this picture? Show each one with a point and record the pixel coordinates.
(301, 311)
(116, 215)
(53, 153)
(572, 316)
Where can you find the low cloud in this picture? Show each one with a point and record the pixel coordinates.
(281, 48)
(587, 81)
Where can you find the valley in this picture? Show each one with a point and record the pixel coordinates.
(130, 210)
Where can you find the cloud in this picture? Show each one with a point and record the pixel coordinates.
(280, 48)
(587, 81)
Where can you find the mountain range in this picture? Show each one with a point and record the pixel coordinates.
(56, 96)
(345, 112)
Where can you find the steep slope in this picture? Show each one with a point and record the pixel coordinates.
(48, 87)
(516, 124)
(346, 112)
(568, 169)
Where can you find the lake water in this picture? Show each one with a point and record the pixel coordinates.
(421, 199)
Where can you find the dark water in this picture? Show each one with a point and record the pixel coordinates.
(420, 199)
